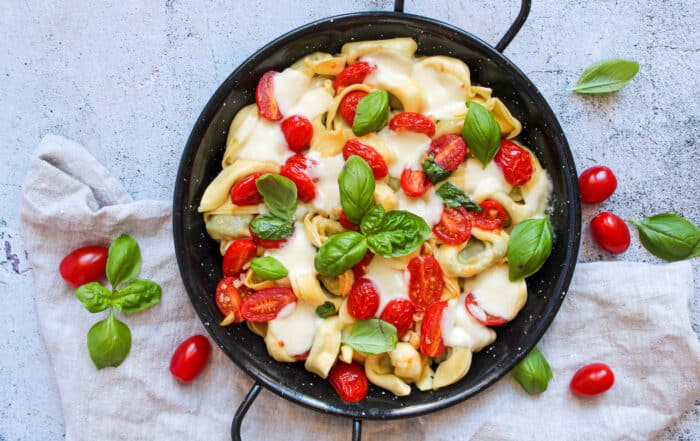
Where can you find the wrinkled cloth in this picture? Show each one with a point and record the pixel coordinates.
(632, 316)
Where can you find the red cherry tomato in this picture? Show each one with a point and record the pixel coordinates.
(414, 122)
(369, 154)
(479, 314)
(597, 184)
(264, 305)
(592, 379)
(297, 131)
(425, 281)
(414, 182)
(295, 169)
(237, 255)
(431, 330)
(269, 244)
(399, 312)
(348, 105)
(363, 300)
(449, 151)
(190, 358)
(515, 162)
(345, 222)
(353, 74)
(228, 300)
(303, 356)
(610, 232)
(245, 192)
(265, 97)
(349, 380)
(360, 268)
(455, 226)
(84, 265)
(491, 217)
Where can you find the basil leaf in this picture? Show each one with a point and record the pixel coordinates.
(399, 233)
(482, 133)
(372, 336)
(669, 236)
(372, 220)
(533, 372)
(434, 171)
(454, 197)
(268, 227)
(372, 113)
(529, 247)
(138, 295)
(94, 296)
(279, 194)
(268, 268)
(123, 260)
(109, 342)
(356, 183)
(606, 76)
(325, 310)
(340, 253)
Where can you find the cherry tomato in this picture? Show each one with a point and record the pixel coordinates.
(265, 97)
(399, 312)
(360, 268)
(491, 217)
(479, 314)
(295, 169)
(303, 356)
(350, 381)
(353, 74)
(414, 182)
(345, 222)
(245, 192)
(414, 122)
(264, 305)
(515, 162)
(369, 154)
(455, 226)
(610, 232)
(228, 300)
(597, 184)
(431, 330)
(269, 244)
(348, 105)
(237, 255)
(297, 131)
(190, 358)
(363, 300)
(449, 151)
(84, 265)
(425, 281)
(592, 379)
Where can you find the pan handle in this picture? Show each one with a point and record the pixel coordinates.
(510, 33)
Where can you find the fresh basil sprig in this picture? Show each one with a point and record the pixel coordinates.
(606, 76)
(395, 234)
(372, 336)
(481, 132)
(433, 170)
(454, 197)
(269, 227)
(339, 253)
(268, 268)
(325, 310)
(279, 194)
(372, 113)
(529, 247)
(356, 184)
(533, 372)
(669, 236)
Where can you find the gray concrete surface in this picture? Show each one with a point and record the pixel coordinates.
(128, 78)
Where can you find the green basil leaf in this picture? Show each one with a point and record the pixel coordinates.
(372, 336)
(399, 233)
(434, 171)
(606, 76)
(268, 227)
(138, 295)
(356, 183)
(340, 253)
(94, 296)
(529, 247)
(279, 194)
(481, 132)
(372, 220)
(454, 197)
(123, 260)
(669, 236)
(268, 268)
(372, 113)
(533, 372)
(325, 310)
(109, 342)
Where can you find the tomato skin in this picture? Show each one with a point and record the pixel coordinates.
(369, 154)
(348, 105)
(592, 380)
(353, 74)
(237, 255)
(449, 151)
(295, 169)
(270, 244)
(363, 300)
(455, 226)
(431, 343)
(265, 97)
(264, 305)
(189, 358)
(425, 282)
(610, 232)
(349, 381)
(414, 122)
(478, 313)
(228, 300)
(399, 312)
(345, 222)
(515, 163)
(492, 216)
(360, 268)
(245, 192)
(298, 132)
(414, 182)
(597, 184)
(84, 265)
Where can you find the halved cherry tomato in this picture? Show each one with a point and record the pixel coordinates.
(360, 268)
(610, 232)
(270, 244)
(228, 300)
(303, 356)
(295, 169)
(84, 265)
(431, 330)
(237, 255)
(479, 314)
(363, 300)
(414, 182)
(189, 358)
(353, 74)
(592, 379)
(345, 222)
(348, 105)
(425, 281)
(449, 151)
(264, 305)
(369, 154)
(265, 97)
(350, 381)
(413, 122)
(298, 132)
(245, 192)
(455, 226)
(492, 216)
(597, 184)
(399, 312)
(515, 162)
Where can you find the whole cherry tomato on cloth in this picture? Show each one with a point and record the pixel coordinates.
(610, 232)
(84, 265)
(190, 358)
(592, 380)
(597, 184)
(349, 380)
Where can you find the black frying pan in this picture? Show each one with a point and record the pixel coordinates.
(200, 262)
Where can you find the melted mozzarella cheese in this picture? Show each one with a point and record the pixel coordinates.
(296, 94)
(481, 182)
(265, 143)
(461, 329)
(392, 69)
(444, 95)
(408, 147)
(389, 281)
(297, 254)
(496, 294)
(428, 206)
(296, 328)
(326, 172)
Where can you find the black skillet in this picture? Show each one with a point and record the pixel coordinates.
(200, 262)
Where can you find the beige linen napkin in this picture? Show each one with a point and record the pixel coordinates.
(632, 316)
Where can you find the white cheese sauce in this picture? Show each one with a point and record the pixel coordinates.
(496, 294)
(481, 183)
(461, 329)
(297, 254)
(391, 283)
(265, 143)
(408, 149)
(295, 328)
(428, 206)
(444, 95)
(297, 94)
(325, 172)
(391, 71)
